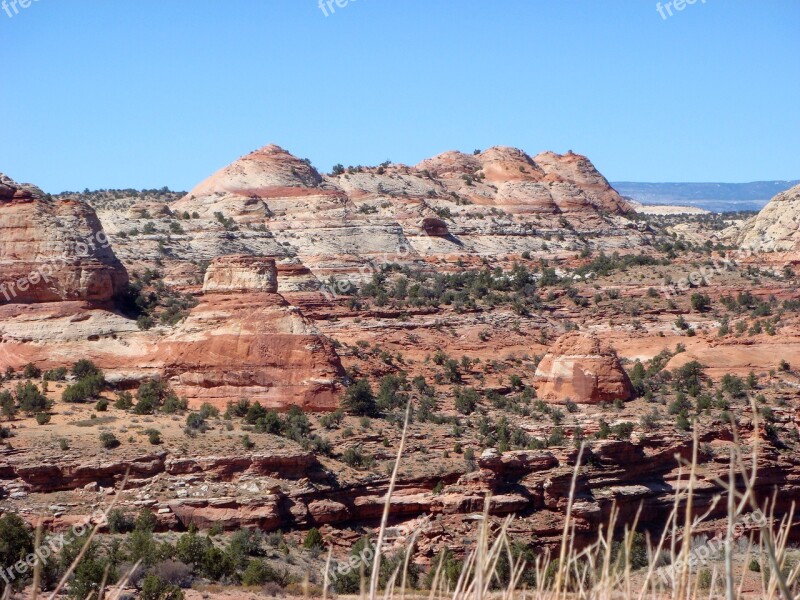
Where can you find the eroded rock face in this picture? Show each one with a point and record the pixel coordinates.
(237, 274)
(579, 367)
(272, 203)
(244, 340)
(776, 227)
(53, 250)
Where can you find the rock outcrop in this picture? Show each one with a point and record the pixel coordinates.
(53, 250)
(237, 274)
(492, 203)
(244, 340)
(776, 228)
(583, 369)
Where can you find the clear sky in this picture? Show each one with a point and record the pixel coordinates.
(146, 93)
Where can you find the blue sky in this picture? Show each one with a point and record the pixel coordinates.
(146, 93)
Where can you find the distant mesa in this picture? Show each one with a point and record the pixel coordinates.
(581, 368)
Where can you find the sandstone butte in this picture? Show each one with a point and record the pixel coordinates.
(242, 339)
(53, 250)
(582, 369)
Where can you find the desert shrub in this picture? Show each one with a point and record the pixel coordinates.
(733, 385)
(153, 436)
(8, 406)
(153, 395)
(209, 411)
(257, 573)
(108, 440)
(16, 542)
(391, 394)
(86, 388)
(124, 401)
(355, 458)
(58, 374)
(239, 409)
(622, 431)
(173, 572)
(119, 522)
(359, 399)
(332, 420)
(156, 588)
(196, 422)
(466, 400)
(42, 418)
(31, 371)
(689, 378)
(90, 571)
(700, 302)
(30, 398)
(450, 569)
(85, 368)
(102, 405)
(682, 422)
(244, 544)
(145, 521)
(313, 539)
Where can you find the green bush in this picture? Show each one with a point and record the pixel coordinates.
(85, 389)
(16, 542)
(85, 368)
(313, 539)
(155, 588)
(153, 395)
(360, 400)
(31, 371)
(124, 401)
(108, 440)
(119, 522)
(30, 398)
(42, 418)
(58, 374)
(466, 400)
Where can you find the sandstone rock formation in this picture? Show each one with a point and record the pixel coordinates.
(494, 203)
(579, 367)
(53, 250)
(246, 341)
(235, 274)
(776, 227)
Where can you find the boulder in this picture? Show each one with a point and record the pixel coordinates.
(581, 368)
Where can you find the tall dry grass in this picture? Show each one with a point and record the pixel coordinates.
(604, 569)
